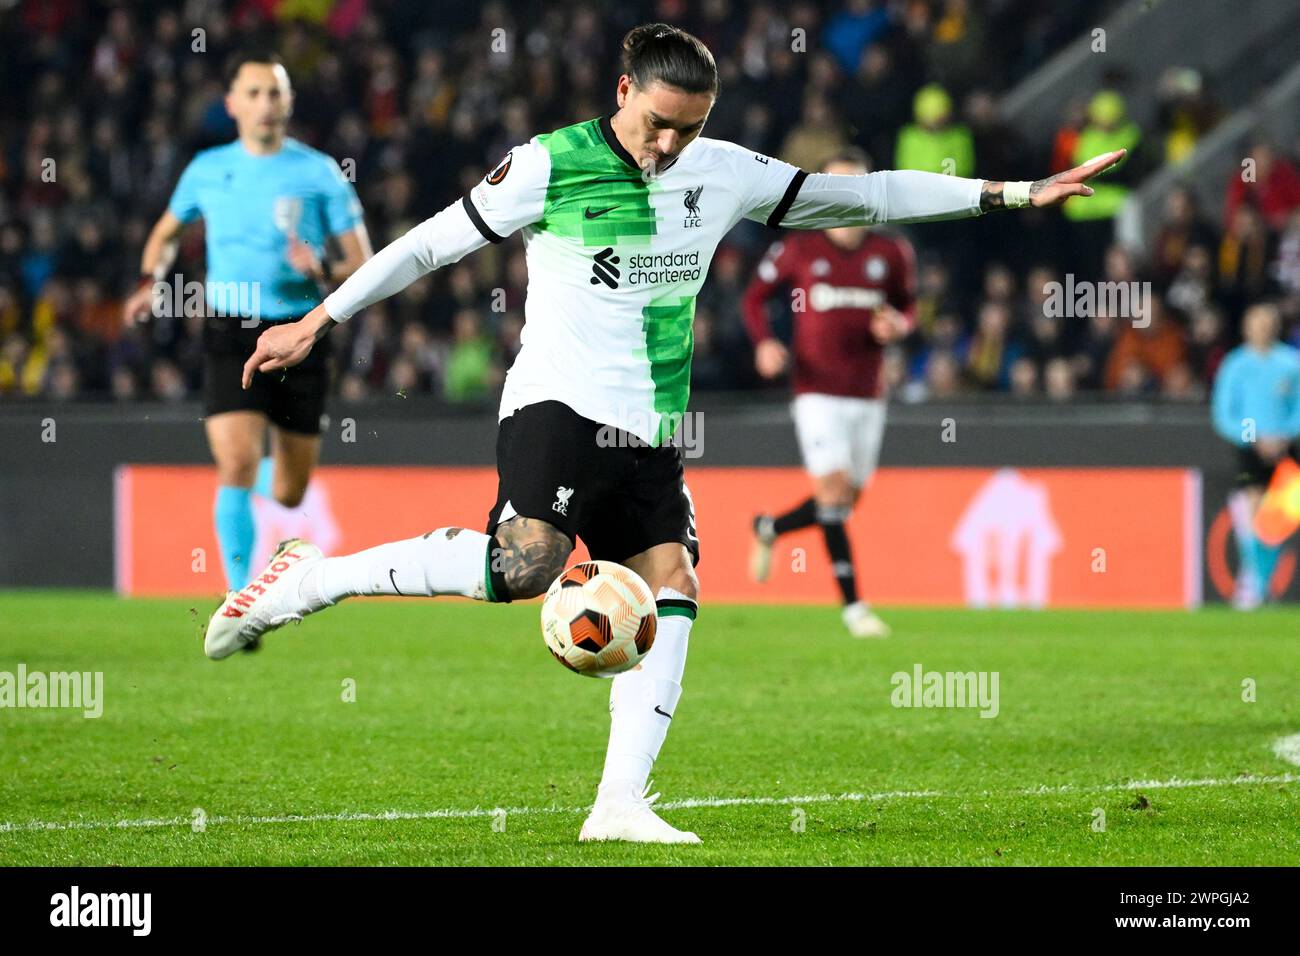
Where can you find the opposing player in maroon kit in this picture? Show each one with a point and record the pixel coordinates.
(852, 293)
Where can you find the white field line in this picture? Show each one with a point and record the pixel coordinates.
(690, 803)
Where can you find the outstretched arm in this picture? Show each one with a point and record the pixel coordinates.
(436, 242)
(510, 197)
(822, 200)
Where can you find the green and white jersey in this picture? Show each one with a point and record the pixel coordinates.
(615, 262)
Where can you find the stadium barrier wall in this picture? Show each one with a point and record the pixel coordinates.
(1146, 484)
(1104, 537)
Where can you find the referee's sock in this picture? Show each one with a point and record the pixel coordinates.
(837, 546)
(1265, 562)
(232, 514)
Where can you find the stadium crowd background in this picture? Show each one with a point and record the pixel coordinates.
(415, 96)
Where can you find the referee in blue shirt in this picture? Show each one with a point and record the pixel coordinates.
(1256, 407)
(271, 206)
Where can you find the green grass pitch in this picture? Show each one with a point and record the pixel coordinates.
(785, 748)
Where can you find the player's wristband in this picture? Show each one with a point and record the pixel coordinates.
(1015, 195)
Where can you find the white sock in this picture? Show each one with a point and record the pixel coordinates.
(1243, 528)
(445, 561)
(641, 699)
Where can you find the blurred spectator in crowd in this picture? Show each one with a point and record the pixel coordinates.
(942, 377)
(1286, 270)
(1059, 380)
(958, 46)
(946, 335)
(874, 102)
(1206, 342)
(1181, 227)
(1048, 339)
(1065, 143)
(1193, 287)
(933, 296)
(1148, 353)
(1024, 378)
(934, 143)
(1266, 181)
(858, 25)
(996, 144)
(16, 375)
(1186, 112)
(1093, 351)
(992, 348)
(1108, 128)
(818, 136)
(1244, 258)
(167, 382)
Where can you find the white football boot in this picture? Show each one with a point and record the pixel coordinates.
(760, 553)
(265, 603)
(625, 814)
(863, 622)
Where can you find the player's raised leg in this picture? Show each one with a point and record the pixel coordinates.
(235, 439)
(642, 704)
(519, 560)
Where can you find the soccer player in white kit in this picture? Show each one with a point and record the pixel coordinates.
(620, 218)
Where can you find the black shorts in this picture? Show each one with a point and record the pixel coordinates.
(292, 399)
(1255, 472)
(619, 496)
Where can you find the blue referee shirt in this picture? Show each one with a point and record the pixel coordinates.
(250, 206)
(1263, 386)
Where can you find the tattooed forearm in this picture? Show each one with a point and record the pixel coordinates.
(991, 196)
(532, 555)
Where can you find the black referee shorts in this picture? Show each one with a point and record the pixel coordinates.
(1253, 471)
(292, 399)
(594, 482)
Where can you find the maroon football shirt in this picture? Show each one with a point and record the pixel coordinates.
(833, 352)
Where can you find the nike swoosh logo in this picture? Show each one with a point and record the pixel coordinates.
(598, 213)
(660, 712)
(391, 572)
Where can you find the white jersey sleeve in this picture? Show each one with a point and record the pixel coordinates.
(768, 186)
(511, 196)
(436, 242)
(824, 200)
(781, 195)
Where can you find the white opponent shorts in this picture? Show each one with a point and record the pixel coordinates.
(839, 433)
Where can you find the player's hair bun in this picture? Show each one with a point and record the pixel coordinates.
(658, 52)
